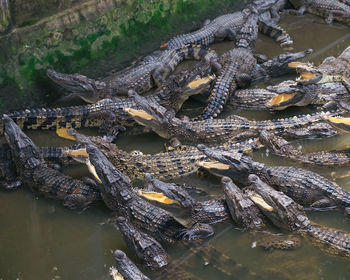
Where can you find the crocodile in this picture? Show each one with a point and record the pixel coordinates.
(288, 93)
(283, 148)
(165, 165)
(288, 215)
(146, 248)
(209, 212)
(166, 125)
(306, 187)
(108, 114)
(228, 25)
(332, 69)
(142, 77)
(243, 211)
(119, 196)
(34, 171)
(328, 9)
(291, 93)
(239, 69)
(125, 268)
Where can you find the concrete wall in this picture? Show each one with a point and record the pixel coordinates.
(76, 33)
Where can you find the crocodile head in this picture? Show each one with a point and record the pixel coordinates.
(310, 74)
(230, 164)
(152, 115)
(279, 208)
(289, 93)
(272, 141)
(284, 63)
(171, 190)
(78, 85)
(150, 251)
(105, 172)
(125, 268)
(242, 209)
(24, 151)
(187, 83)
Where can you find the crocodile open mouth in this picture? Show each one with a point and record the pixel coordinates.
(139, 113)
(213, 165)
(156, 196)
(257, 199)
(281, 98)
(340, 121)
(63, 133)
(201, 81)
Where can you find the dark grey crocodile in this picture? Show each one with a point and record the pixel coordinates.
(146, 248)
(306, 187)
(288, 215)
(142, 77)
(283, 148)
(33, 171)
(166, 125)
(239, 69)
(208, 212)
(228, 25)
(108, 114)
(328, 9)
(118, 195)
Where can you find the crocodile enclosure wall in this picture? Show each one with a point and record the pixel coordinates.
(68, 35)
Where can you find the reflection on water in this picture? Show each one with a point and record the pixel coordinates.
(39, 239)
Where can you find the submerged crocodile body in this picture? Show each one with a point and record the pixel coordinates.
(125, 268)
(283, 148)
(228, 25)
(34, 171)
(119, 196)
(328, 9)
(288, 215)
(146, 248)
(141, 77)
(306, 187)
(107, 114)
(167, 126)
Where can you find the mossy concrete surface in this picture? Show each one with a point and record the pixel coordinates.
(95, 32)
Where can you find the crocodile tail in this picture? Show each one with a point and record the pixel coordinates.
(277, 33)
(48, 118)
(330, 240)
(219, 97)
(198, 37)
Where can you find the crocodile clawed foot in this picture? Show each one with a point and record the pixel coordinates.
(198, 231)
(113, 133)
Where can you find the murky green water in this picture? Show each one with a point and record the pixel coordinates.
(40, 239)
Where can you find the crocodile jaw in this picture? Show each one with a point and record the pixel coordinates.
(156, 196)
(257, 199)
(213, 165)
(139, 114)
